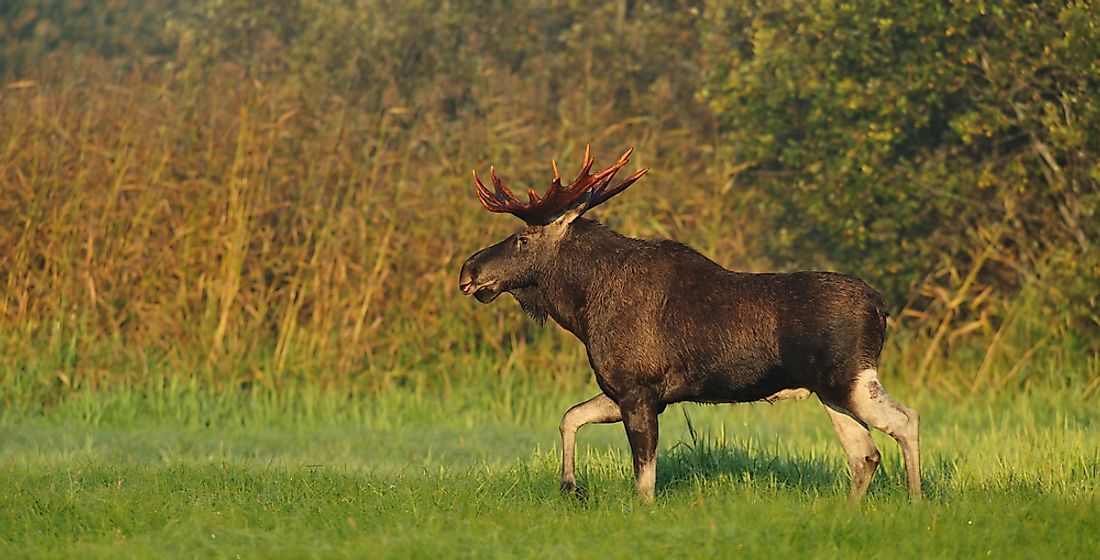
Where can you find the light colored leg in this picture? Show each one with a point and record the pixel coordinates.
(597, 410)
(863, 456)
(640, 419)
(870, 403)
(645, 478)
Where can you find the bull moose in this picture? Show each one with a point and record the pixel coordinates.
(664, 324)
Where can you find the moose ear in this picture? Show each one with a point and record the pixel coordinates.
(560, 225)
(568, 216)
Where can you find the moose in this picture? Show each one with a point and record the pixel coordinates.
(663, 324)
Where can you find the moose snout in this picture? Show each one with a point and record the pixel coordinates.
(467, 280)
(472, 283)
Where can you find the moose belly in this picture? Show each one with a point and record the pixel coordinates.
(770, 386)
(753, 396)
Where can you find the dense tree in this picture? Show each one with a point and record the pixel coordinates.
(896, 139)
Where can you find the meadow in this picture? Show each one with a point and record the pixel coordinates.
(230, 235)
(146, 472)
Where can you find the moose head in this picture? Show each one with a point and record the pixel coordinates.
(522, 259)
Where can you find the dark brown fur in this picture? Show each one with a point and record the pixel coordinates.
(661, 319)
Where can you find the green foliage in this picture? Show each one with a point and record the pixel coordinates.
(32, 31)
(901, 139)
(432, 55)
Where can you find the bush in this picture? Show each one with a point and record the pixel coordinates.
(899, 140)
(945, 152)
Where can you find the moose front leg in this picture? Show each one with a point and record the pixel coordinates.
(640, 419)
(597, 410)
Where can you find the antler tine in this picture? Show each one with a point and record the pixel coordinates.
(555, 185)
(587, 166)
(502, 200)
(603, 178)
(601, 196)
(477, 182)
(483, 193)
(502, 190)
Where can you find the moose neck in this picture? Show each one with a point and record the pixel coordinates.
(570, 290)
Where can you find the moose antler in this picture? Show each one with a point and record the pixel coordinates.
(587, 189)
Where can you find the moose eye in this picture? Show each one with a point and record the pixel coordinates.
(521, 240)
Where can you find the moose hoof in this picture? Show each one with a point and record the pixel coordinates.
(574, 490)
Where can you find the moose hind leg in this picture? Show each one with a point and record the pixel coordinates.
(597, 410)
(863, 456)
(870, 403)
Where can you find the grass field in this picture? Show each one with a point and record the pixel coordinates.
(169, 472)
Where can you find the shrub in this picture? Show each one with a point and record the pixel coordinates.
(940, 150)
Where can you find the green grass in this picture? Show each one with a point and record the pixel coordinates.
(146, 473)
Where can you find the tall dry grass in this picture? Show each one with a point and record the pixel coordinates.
(231, 231)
